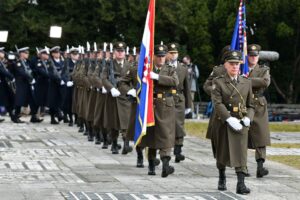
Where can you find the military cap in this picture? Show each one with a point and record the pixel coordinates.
(223, 51)
(2, 49)
(160, 50)
(173, 47)
(253, 49)
(23, 49)
(44, 51)
(74, 50)
(55, 49)
(233, 56)
(120, 46)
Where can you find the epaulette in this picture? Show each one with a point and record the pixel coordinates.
(264, 67)
(217, 66)
(222, 76)
(245, 77)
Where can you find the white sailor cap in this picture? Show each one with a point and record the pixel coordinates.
(55, 49)
(23, 49)
(74, 50)
(44, 50)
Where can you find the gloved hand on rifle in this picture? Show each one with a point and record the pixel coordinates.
(104, 91)
(70, 84)
(115, 92)
(62, 82)
(132, 92)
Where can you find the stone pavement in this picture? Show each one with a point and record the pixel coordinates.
(42, 161)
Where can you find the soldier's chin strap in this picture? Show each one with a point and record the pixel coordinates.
(241, 109)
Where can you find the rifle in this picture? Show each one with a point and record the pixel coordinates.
(111, 72)
(11, 84)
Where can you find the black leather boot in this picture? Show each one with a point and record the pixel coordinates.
(167, 169)
(151, 168)
(34, 119)
(53, 121)
(177, 152)
(59, 115)
(105, 143)
(91, 135)
(126, 148)
(86, 132)
(114, 147)
(261, 171)
(156, 161)
(241, 187)
(98, 137)
(222, 180)
(140, 157)
(66, 120)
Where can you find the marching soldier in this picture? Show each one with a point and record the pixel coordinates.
(42, 78)
(78, 106)
(69, 65)
(91, 100)
(117, 105)
(7, 86)
(182, 98)
(128, 85)
(85, 93)
(100, 131)
(25, 86)
(162, 136)
(232, 99)
(218, 70)
(259, 134)
(56, 85)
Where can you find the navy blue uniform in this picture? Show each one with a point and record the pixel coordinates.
(6, 88)
(56, 91)
(67, 105)
(42, 82)
(24, 88)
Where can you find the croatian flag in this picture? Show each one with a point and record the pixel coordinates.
(239, 37)
(144, 112)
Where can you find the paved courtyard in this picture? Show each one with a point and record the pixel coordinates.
(42, 161)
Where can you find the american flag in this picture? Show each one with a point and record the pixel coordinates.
(239, 37)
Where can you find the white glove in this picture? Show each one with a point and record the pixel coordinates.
(246, 121)
(62, 82)
(14, 80)
(132, 92)
(234, 123)
(104, 91)
(70, 84)
(32, 82)
(154, 76)
(115, 92)
(187, 111)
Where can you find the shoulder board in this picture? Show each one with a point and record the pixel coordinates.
(245, 77)
(217, 66)
(218, 77)
(264, 67)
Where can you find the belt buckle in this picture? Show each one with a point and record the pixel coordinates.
(159, 96)
(235, 109)
(173, 91)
